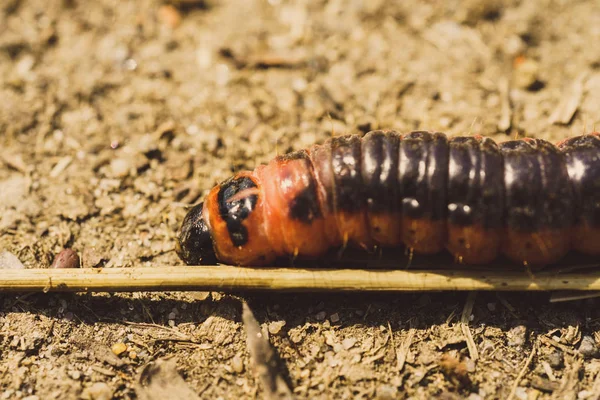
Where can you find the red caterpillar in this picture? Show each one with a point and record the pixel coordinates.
(526, 199)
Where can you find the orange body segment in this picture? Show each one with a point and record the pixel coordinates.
(385, 228)
(536, 249)
(473, 244)
(586, 239)
(295, 223)
(424, 236)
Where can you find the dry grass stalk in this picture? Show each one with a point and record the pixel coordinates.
(214, 278)
(522, 372)
(464, 322)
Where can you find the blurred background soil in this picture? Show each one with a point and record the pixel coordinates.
(117, 115)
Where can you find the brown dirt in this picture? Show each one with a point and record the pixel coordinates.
(115, 115)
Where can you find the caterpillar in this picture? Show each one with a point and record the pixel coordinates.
(528, 200)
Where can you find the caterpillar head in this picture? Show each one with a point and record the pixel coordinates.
(195, 244)
(228, 227)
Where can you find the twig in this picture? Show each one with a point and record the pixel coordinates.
(402, 352)
(264, 358)
(464, 322)
(564, 112)
(103, 371)
(223, 278)
(554, 343)
(521, 374)
(60, 166)
(377, 353)
(182, 336)
(558, 297)
(548, 370)
(391, 335)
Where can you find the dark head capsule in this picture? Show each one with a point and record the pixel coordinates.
(194, 244)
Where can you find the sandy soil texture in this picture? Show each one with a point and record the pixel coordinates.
(116, 115)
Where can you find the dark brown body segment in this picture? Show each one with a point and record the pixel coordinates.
(423, 178)
(538, 202)
(380, 151)
(582, 156)
(348, 192)
(475, 199)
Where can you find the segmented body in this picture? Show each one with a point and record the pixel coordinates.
(527, 199)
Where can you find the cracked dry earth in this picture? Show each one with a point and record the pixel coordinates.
(116, 115)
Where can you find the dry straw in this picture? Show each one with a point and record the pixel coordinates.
(226, 278)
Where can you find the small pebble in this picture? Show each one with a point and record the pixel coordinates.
(75, 375)
(385, 392)
(335, 317)
(296, 335)
(67, 258)
(97, 391)
(348, 343)
(526, 73)
(470, 364)
(132, 354)
(9, 261)
(516, 336)
(320, 316)
(299, 85)
(200, 296)
(120, 167)
(556, 359)
(237, 364)
(491, 306)
(119, 348)
(275, 327)
(521, 393)
(513, 45)
(588, 347)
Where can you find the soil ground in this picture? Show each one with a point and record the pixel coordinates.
(116, 115)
